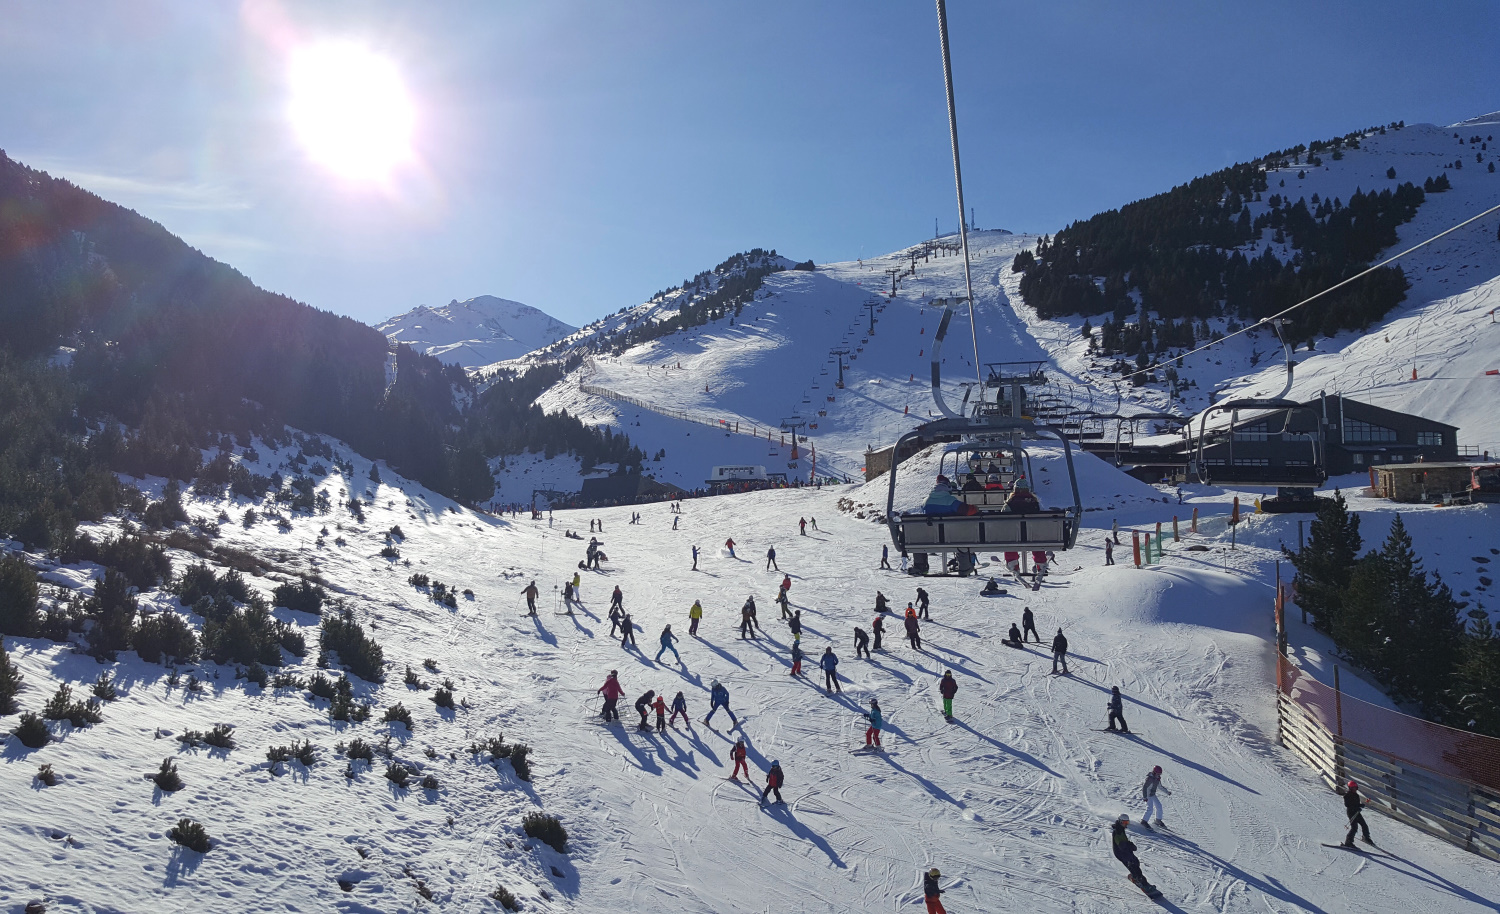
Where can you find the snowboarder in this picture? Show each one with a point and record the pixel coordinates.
(695, 558)
(1109, 552)
(829, 662)
(948, 688)
(885, 557)
(627, 630)
(877, 627)
(1060, 652)
(1116, 710)
(861, 643)
(729, 544)
(617, 599)
(718, 697)
(738, 753)
(612, 694)
(991, 588)
(882, 605)
(796, 658)
(872, 732)
(1028, 624)
(922, 603)
(695, 615)
(530, 594)
(642, 706)
(1354, 806)
(1013, 639)
(667, 644)
(771, 559)
(1148, 793)
(774, 780)
(660, 706)
(679, 706)
(913, 631)
(802, 525)
(931, 893)
(795, 624)
(1124, 850)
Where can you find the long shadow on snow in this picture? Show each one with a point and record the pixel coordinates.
(182, 862)
(542, 632)
(682, 761)
(784, 815)
(890, 670)
(1023, 756)
(933, 789)
(1268, 885)
(1188, 763)
(722, 653)
(642, 760)
(1135, 701)
(1432, 879)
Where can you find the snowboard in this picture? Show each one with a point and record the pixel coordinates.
(1150, 890)
(868, 750)
(999, 593)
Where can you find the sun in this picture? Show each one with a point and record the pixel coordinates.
(350, 109)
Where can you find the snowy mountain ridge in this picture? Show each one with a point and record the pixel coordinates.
(475, 332)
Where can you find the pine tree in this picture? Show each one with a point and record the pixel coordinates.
(1476, 686)
(1325, 564)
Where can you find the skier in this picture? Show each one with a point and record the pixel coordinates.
(695, 615)
(771, 559)
(1022, 500)
(796, 658)
(1013, 564)
(1116, 710)
(878, 628)
(885, 557)
(1124, 850)
(695, 558)
(882, 605)
(913, 631)
(802, 525)
(612, 694)
(530, 594)
(931, 893)
(577, 584)
(617, 599)
(729, 544)
(738, 753)
(627, 631)
(1354, 806)
(1028, 624)
(814, 522)
(747, 621)
(1109, 552)
(948, 688)
(861, 643)
(754, 614)
(1148, 793)
(1039, 568)
(872, 732)
(1114, 528)
(674, 522)
(829, 662)
(667, 639)
(1060, 652)
(774, 780)
(642, 706)
(679, 706)
(1014, 637)
(922, 603)
(786, 582)
(568, 593)
(615, 615)
(718, 697)
(795, 624)
(784, 603)
(660, 706)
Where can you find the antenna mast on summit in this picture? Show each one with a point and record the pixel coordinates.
(958, 181)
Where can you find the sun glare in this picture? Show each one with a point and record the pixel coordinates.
(350, 110)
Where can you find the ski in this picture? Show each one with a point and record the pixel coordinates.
(1371, 850)
(1121, 732)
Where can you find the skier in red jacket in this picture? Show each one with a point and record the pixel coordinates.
(612, 694)
(738, 754)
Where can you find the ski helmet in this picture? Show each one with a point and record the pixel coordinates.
(1124, 820)
(1156, 770)
(775, 764)
(614, 672)
(1353, 786)
(934, 873)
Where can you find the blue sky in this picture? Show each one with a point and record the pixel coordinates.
(579, 156)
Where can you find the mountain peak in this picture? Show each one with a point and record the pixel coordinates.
(475, 332)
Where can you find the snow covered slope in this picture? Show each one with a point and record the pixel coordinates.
(475, 332)
(1010, 800)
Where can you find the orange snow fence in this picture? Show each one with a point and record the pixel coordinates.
(1234, 516)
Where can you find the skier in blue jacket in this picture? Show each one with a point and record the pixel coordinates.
(667, 639)
(872, 733)
(718, 697)
(829, 663)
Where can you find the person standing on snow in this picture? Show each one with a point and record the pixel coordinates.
(729, 544)
(738, 753)
(695, 558)
(612, 694)
(861, 643)
(679, 706)
(802, 525)
(814, 522)
(617, 599)
(1109, 551)
(1148, 793)
(922, 604)
(754, 614)
(667, 644)
(781, 600)
(642, 706)
(796, 658)
(577, 586)
(1060, 652)
(718, 697)
(1116, 710)
(877, 627)
(829, 662)
(948, 687)
(931, 893)
(627, 630)
(774, 780)
(1354, 806)
(795, 624)
(872, 732)
(1114, 528)
(674, 522)
(1028, 624)
(747, 620)
(695, 615)
(771, 559)
(615, 615)
(913, 630)
(660, 706)
(530, 594)
(885, 557)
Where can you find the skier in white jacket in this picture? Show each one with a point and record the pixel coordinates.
(1148, 793)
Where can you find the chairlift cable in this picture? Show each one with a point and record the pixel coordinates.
(958, 181)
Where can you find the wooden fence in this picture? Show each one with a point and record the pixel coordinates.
(1443, 781)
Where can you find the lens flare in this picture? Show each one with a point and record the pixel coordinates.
(350, 110)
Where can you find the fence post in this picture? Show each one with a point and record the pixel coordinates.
(1135, 544)
(1175, 537)
(1338, 716)
(1195, 520)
